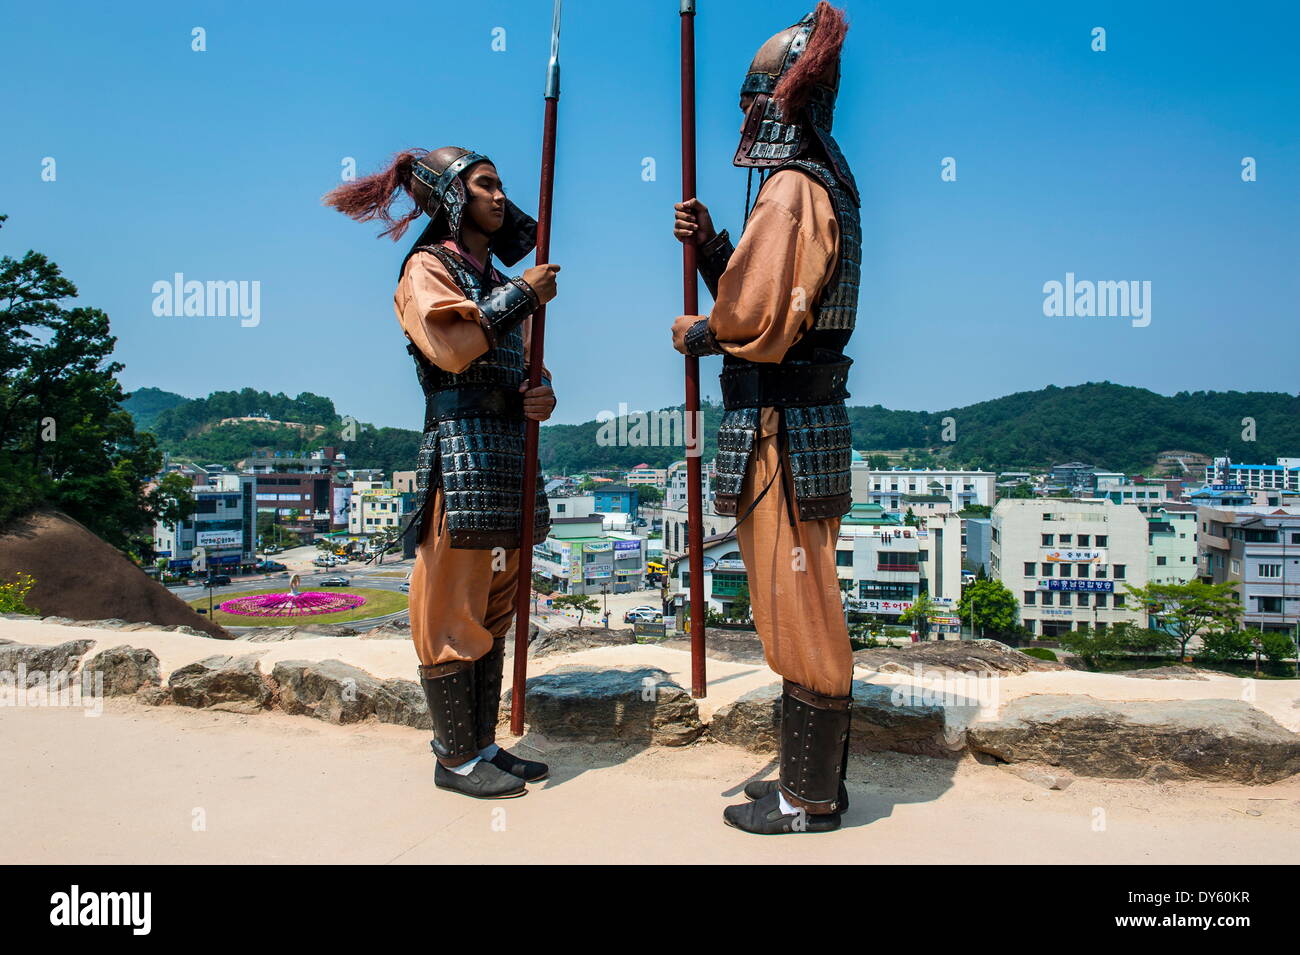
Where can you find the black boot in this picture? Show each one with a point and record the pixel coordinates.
(450, 692)
(488, 672)
(814, 741)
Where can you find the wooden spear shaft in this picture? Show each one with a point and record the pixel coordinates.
(693, 424)
(528, 502)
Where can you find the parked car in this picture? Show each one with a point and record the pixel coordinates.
(217, 580)
(272, 550)
(338, 580)
(323, 561)
(643, 615)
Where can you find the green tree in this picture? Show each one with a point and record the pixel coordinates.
(649, 494)
(583, 603)
(918, 615)
(1224, 645)
(1191, 609)
(995, 607)
(740, 608)
(65, 441)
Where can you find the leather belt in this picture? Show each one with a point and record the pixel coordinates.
(792, 384)
(470, 400)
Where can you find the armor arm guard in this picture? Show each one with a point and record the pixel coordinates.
(505, 307)
(712, 259)
(699, 340)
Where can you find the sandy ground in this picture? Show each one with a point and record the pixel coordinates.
(169, 785)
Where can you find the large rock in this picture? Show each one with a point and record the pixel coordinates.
(312, 631)
(952, 656)
(229, 683)
(81, 577)
(615, 704)
(1168, 739)
(39, 662)
(881, 721)
(125, 670)
(336, 692)
(1175, 671)
(573, 639)
(733, 646)
(399, 629)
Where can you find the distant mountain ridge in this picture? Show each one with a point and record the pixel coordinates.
(1117, 427)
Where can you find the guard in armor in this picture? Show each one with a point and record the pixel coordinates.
(785, 299)
(468, 329)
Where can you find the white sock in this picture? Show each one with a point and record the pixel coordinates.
(786, 808)
(490, 750)
(464, 768)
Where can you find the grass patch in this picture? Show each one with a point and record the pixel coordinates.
(378, 603)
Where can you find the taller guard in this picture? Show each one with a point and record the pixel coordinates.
(468, 331)
(785, 302)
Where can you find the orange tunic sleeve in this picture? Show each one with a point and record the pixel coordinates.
(435, 314)
(782, 263)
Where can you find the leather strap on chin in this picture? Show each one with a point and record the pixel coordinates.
(699, 340)
(505, 307)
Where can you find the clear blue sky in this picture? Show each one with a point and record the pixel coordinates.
(1122, 165)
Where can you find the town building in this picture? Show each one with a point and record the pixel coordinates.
(1171, 544)
(885, 564)
(1146, 496)
(1067, 561)
(1257, 548)
(1283, 476)
(579, 557)
(374, 509)
(224, 524)
(643, 474)
(889, 488)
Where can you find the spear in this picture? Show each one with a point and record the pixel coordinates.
(691, 306)
(524, 582)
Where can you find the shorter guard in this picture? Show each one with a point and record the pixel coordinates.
(468, 330)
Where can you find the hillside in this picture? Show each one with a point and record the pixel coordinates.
(1112, 426)
(146, 404)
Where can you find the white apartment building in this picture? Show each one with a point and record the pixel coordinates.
(1282, 476)
(889, 488)
(658, 477)
(576, 505)
(374, 509)
(675, 483)
(1067, 561)
(885, 564)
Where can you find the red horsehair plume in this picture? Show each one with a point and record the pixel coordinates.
(824, 46)
(372, 197)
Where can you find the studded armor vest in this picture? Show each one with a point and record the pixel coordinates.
(808, 385)
(473, 441)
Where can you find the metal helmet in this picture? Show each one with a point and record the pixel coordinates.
(794, 78)
(438, 187)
